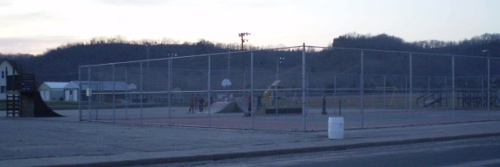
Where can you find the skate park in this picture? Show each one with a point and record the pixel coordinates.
(294, 99)
(151, 123)
(285, 98)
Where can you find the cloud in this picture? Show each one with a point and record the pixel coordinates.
(131, 2)
(26, 17)
(33, 45)
(5, 3)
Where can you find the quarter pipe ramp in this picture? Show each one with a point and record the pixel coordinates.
(225, 107)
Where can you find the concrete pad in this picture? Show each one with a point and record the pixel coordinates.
(46, 142)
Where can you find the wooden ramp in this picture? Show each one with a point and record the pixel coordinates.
(225, 107)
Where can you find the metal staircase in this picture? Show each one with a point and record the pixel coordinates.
(13, 104)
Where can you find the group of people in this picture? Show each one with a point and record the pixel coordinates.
(197, 103)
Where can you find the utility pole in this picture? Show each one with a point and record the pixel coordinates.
(243, 40)
(228, 63)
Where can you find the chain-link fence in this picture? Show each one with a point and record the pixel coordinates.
(293, 88)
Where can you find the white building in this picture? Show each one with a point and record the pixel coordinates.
(52, 91)
(70, 91)
(7, 67)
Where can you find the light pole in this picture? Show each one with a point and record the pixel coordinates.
(228, 63)
(279, 60)
(241, 35)
(488, 103)
(147, 66)
(147, 55)
(169, 85)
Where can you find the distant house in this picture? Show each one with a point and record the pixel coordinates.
(7, 67)
(72, 89)
(52, 91)
(103, 86)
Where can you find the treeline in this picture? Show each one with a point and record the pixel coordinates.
(382, 60)
(430, 58)
(61, 64)
(476, 46)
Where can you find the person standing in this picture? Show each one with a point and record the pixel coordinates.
(323, 111)
(192, 102)
(247, 114)
(259, 101)
(201, 103)
(195, 102)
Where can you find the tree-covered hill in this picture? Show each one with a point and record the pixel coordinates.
(61, 64)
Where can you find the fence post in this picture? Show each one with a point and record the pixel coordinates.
(411, 89)
(384, 89)
(304, 86)
(334, 88)
(90, 94)
(276, 88)
(362, 90)
(127, 93)
(406, 92)
(169, 90)
(114, 91)
(209, 92)
(489, 87)
(453, 93)
(251, 87)
(79, 93)
(446, 90)
(141, 90)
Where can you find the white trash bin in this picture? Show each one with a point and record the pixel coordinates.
(335, 127)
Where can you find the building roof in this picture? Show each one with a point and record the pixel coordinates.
(99, 85)
(14, 65)
(56, 85)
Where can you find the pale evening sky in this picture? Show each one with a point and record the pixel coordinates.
(34, 26)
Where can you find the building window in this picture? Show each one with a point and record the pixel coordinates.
(3, 74)
(2, 89)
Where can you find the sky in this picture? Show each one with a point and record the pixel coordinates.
(35, 26)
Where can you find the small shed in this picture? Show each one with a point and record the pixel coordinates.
(71, 92)
(52, 91)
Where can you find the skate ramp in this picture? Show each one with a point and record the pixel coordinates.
(40, 108)
(225, 107)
